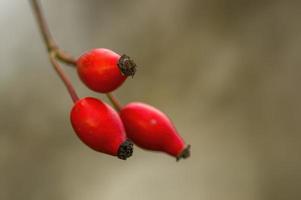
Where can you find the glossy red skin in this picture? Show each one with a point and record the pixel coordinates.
(98, 125)
(99, 71)
(151, 129)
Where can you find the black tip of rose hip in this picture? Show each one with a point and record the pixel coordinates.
(127, 66)
(125, 150)
(184, 154)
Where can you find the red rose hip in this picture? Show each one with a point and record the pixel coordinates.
(100, 127)
(103, 70)
(151, 129)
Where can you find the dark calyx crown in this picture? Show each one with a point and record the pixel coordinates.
(125, 150)
(127, 66)
(184, 154)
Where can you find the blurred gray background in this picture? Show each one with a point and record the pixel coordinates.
(226, 72)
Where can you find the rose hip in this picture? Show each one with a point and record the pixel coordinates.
(151, 129)
(100, 127)
(103, 70)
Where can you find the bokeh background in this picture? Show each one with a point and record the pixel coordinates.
(227, 72)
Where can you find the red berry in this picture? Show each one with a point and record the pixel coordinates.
(151, 129)
(103, 70)
(100, 127)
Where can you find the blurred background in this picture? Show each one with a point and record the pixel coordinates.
(227, 72)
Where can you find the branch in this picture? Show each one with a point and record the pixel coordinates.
(64, 78)
(48, 39)
(114, 102)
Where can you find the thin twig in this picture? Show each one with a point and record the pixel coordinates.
(65, 57)
(48, 39)
(114, 102)
(64, 78)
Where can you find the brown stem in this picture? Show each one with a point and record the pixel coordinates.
(65, 57)
(64, 78)
(114, 102)
(48, 39)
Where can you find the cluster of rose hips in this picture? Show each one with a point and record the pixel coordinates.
(105, 130)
